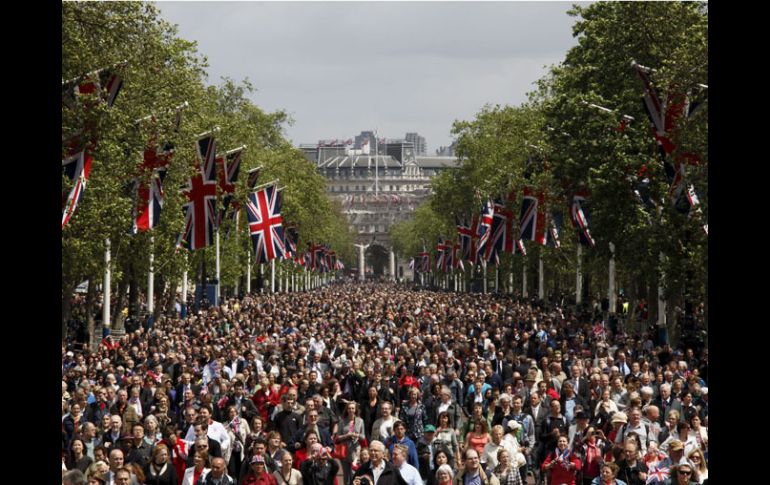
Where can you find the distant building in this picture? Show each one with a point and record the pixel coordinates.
(420, 147)
(377, 189)
(449, 151)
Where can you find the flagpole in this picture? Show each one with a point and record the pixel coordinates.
(497, 279)
(392, 265)
(579, 281)
(661, 296)
(376, 166)
(183, 306)
(261, 278)
(541, 278)
(272, 276)
(107, 286)
(524, 278)
(248, 273)
(151, 279)
(484, 265)
(216, 292)
(611, 289)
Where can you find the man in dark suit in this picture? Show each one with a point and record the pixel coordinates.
(666, 403)
(580, 383)
(183, 386)
(243, 405)
(502, 368)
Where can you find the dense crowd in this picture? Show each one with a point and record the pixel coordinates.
(387, 385)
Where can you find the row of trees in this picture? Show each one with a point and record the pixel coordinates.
(161, 71)
(560, 144)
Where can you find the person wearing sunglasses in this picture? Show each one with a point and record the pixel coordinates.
(683, 474)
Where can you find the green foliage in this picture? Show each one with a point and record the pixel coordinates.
(161, 71)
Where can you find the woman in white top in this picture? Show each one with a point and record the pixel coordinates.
(606, 403)
(286, 475)
(199, 470)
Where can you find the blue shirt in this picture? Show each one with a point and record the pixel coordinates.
(412, 458)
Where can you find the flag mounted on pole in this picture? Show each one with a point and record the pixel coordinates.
(263, 210)
(441, 257)
(76, 168)
(200, 211)
(554, 229)
(456, 258)
(485, 231)
(579, 215)
(149, 193)
(228, 168)
(77, 158)
(532, 217)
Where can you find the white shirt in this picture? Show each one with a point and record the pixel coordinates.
(410, 474)
(216, 432)
(378, 471)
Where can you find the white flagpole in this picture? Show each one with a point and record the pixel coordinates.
(183, 304)
(524, 279)
(484, 265)
(262, 278)
(579, 281)
(218, 272)
(272, 276)
(661, 297)
(107, 286)
(611, 290)
(151, 279)
(248, 273)
(541, 278)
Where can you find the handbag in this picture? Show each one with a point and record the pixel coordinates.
(340, 451)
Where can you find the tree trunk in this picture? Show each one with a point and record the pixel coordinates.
(90, 304)
(66, 306)
(120, 300)
(133, 292)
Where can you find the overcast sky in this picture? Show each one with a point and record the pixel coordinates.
(339, 68)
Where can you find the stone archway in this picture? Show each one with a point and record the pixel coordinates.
(378, 259)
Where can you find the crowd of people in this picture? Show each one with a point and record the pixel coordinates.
(387, 385)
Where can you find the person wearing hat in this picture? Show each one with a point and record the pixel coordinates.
(425, 448)
(581, 424)
(617, 421)
(258, 474)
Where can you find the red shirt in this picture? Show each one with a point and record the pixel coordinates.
(560, 473)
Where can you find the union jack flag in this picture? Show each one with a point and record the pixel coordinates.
(200, 211)
(501, 234)
(423, 259)
(554, 229)
(532, 218)
(580, 215)
(456, 256)
(485, 231)
(411, 263)
(598, 329)
(149, 195)
(441, 257)
(251, 180)
(76, 168)
(657, 475)
(291, 238)
(263, 210)
(315, 261)
(76, 164)
(227, 174)
(105, 80)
